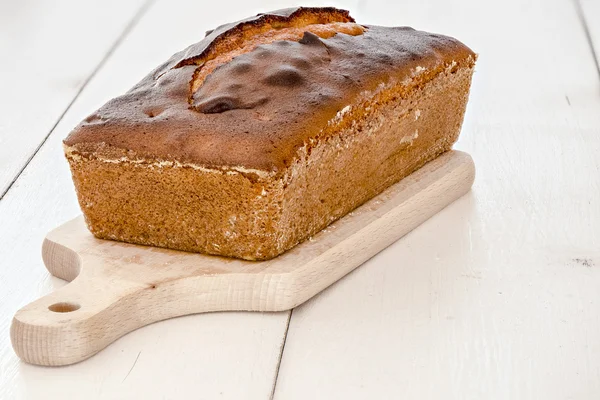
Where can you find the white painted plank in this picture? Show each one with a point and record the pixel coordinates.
(49, 49)
(497, 296)
(591, 15)
(221, 355)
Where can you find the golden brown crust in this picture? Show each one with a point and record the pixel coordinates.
(228, 36)
(258, 119)
(291, 33)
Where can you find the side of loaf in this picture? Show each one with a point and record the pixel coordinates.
(268, 130)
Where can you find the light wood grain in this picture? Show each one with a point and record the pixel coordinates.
(49, 49)
(497, 298)
(119, 287)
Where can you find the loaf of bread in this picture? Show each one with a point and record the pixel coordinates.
(266, 131)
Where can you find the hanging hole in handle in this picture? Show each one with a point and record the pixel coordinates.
(64, 307)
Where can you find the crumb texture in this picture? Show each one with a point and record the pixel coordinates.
(256, 109)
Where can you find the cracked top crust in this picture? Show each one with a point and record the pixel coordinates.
(252, 92)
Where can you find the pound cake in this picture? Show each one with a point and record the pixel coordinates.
(266, 131)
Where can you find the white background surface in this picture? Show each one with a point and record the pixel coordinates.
(497, 297)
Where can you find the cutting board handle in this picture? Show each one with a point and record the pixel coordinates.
(118, 287)
(81, 318)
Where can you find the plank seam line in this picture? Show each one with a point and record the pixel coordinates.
(588, 35)
(128, 28)
(287, 328)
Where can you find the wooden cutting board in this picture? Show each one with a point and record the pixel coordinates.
(117, 287)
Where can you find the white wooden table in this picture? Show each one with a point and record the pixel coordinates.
(497, 297)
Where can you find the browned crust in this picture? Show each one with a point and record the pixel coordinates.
(226, 33)
(229, 36)
(250, 40)
(154, 121)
